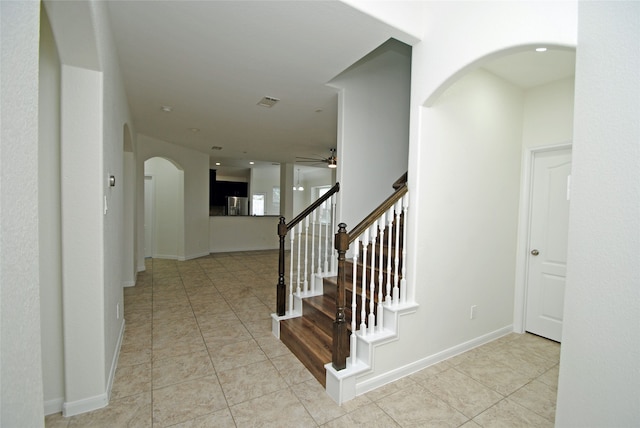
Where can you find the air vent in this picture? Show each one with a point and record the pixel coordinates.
(268, 102)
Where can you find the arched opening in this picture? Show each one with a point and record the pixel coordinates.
(163, 209)
(477, 129)
(129, 253)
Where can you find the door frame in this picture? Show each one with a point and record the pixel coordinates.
(524, 226)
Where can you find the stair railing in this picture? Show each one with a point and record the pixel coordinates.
(385, 223)
(321, 249)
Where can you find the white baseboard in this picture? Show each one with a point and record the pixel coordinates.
(142, 268)
(114, 360)
(400, 372)
(53, 406)
(129, 283)
(194, 256)
(72, 408)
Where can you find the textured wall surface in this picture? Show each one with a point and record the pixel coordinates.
(20, 359)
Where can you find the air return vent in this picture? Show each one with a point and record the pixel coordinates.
(268, 102)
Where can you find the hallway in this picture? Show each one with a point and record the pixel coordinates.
(198, 352)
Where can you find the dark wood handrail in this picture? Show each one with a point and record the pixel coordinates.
(375, 214)
(400, 181)
(313, 206)
(283, 229)
(342, 242)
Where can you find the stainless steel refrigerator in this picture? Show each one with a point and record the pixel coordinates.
(237, 205)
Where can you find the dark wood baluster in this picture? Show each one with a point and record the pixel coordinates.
(281, 287)
(340, 332)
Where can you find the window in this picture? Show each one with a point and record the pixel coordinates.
(324, 212)
(275, 201)
(257, 204)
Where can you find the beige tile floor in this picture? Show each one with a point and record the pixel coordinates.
(198, 352)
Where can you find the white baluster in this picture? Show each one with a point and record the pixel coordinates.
(291, 250)
(320, 247)
(389, 216)
(363, 301)
(298, 260)
(326, 250)
(403, 281)
(354, 306)
(396, 290)
(380, 272)
(334, 252)
(306, 261)
(313, 251)
(372, 285)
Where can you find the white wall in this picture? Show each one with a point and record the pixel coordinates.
(94, 111)
(263, 180)
(49, 220)
(548, 114)
(196, 193)
(168, 209)
(243, 233)
(468, 202)
(20, 350)
(373, 129)
(599, 381)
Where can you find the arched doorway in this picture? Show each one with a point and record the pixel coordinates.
(477, 130)
(164, 209)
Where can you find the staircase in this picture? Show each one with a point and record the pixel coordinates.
(337, 328)
(309, 336)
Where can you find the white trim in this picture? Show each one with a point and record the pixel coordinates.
(194, 256)
(142, 267)
(400, 372)
(72, 408)
(129, 283)
(522, 249)
(53, 406)
(114, 361)
(165, 256)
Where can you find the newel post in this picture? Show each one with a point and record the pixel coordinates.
(281, 288)
(340, 332)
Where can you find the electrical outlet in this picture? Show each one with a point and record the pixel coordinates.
(472, 313)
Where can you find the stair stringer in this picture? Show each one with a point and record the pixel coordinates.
(344, 385)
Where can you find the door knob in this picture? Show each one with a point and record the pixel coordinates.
(535, 252)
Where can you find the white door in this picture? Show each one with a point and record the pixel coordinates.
(548, 243)
(148, 215)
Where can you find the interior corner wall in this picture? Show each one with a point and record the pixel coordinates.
(21, 388)
(49, 220)
(548, 114)
(373, 129)
(599, 382)
(82, 237)
(468, 204)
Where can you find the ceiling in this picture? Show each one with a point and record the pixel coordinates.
(211, 62)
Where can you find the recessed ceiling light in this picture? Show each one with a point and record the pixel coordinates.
(251, 163)
(166, 109)
(216, 148)
(541, 49)
(194, 130)
(268, 101)
(218, 163)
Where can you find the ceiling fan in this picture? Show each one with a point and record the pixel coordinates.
(331, 161)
